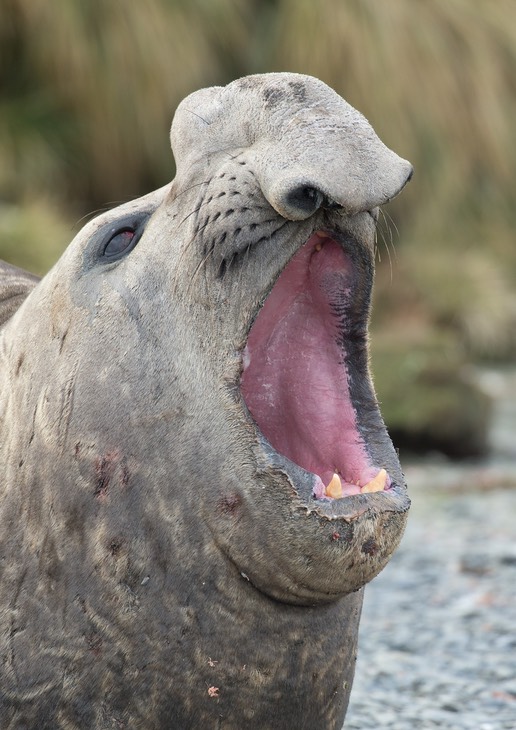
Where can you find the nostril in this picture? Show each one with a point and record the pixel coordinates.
(305, 198)
(330, 204)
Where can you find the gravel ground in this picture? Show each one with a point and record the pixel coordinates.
(438, 634)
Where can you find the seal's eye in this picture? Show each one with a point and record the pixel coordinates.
(120, 242)
(118, 238)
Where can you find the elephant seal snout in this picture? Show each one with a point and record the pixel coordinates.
(196, 477)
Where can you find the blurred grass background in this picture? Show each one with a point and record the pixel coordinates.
(88, 90)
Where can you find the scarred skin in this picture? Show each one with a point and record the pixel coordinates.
(161, 566)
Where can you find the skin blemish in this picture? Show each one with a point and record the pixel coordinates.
(110, 469)
(370, 547)
(105, 467)
(229, 504)
(62, 340)
(94, 642)
(115, 546)
(19, 363)
(103, 470)
(343, 535)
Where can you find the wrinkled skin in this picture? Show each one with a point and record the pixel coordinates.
(161, 564)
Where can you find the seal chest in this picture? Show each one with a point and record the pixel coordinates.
(198, 481)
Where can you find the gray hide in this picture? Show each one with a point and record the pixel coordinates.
(161, 565)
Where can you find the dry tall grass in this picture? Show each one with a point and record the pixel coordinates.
(438, 81)
(89, 89)
(92, 86)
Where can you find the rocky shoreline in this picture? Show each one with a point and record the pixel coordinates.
(437, 644)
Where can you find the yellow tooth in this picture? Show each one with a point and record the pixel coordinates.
(334, 488)
(377, 484)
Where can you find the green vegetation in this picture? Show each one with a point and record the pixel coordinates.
(429, 399)
(33, 235)
(89, 89)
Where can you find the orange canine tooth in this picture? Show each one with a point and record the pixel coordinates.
(377, 484)
(334, 488)
(323, 237)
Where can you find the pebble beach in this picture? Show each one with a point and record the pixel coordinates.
(437, 646)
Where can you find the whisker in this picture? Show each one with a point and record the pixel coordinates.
(198, 116)
(198, 268)
(94, 213)
(377, 252)
(191, 241)
(205, 182)
(204, 202)
(392, 221)
(388, 243)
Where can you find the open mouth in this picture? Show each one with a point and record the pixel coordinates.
(297, 378)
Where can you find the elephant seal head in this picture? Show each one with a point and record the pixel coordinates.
(205, 349)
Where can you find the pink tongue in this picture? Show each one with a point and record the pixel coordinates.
(295, 381)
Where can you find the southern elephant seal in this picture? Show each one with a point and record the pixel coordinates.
(196, 479)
